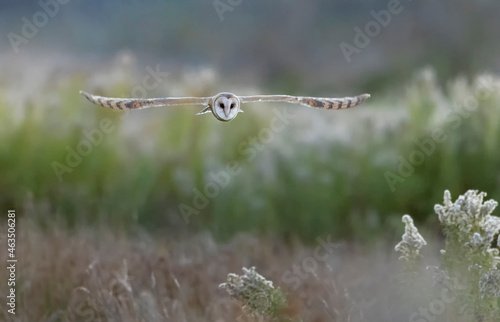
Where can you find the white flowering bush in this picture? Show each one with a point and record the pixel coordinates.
(258, 295)
(412, 241)
(470, 260)
(470, 230)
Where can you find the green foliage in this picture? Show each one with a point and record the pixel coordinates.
(151, 162)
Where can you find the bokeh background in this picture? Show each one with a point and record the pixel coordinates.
(434, 67)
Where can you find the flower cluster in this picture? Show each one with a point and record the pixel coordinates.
(257, 294)
(470, 266)
(489, 283)
(412, 241)
(472, 252)
(468, 222)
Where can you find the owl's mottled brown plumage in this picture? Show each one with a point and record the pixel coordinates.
(216, 104)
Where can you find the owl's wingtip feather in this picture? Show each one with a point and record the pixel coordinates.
(83, 93)
(87, 96)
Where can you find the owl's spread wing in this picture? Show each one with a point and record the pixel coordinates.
(316, 102)
(139, 103)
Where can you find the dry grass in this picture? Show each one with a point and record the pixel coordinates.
(99, 275)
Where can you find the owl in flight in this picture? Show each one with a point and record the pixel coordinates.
(225, 106)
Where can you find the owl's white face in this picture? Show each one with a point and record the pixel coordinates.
(226, 106)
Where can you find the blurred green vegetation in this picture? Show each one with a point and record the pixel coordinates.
(291, 187)
(455, 37)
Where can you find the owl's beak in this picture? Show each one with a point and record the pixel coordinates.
(227, 109)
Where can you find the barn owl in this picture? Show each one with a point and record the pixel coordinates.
(225, 106)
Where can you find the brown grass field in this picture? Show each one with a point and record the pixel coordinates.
(87, 275)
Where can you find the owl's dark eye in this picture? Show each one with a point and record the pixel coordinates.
(232, 105)
(221, 105)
